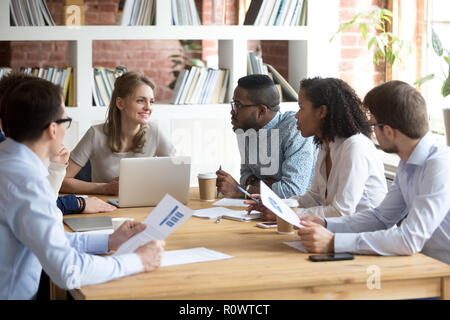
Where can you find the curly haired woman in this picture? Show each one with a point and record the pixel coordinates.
(348, 176)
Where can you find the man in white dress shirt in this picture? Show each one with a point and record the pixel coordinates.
(414, 216)
(32, 235)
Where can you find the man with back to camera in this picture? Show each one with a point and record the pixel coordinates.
(32, 235)
(418, 201)
(285, 161)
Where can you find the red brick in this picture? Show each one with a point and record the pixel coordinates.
(351, 53)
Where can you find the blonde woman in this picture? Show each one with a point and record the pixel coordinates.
(127, 133)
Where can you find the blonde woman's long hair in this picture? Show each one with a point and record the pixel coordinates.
(124, 85)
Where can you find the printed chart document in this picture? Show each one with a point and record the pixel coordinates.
(271, 201)
(168, 215)
(176, 257)
(228, 202)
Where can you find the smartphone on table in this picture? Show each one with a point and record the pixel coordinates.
(267, 224)
(331, 257)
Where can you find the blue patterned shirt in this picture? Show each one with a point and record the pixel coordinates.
(292, 161)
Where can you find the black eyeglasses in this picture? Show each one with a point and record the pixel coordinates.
(236, 105)
(376, 124)
(68, 121)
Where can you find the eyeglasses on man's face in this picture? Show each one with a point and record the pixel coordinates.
(376, 125)
(67, 121)
(237, 105)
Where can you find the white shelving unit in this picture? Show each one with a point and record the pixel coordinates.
(310, 54)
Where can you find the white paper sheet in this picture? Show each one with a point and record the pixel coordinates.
(176, 257)
(271, 201)
(241, 215)
(211, 213)
(228, 202)
(296, 245)
(168, 215)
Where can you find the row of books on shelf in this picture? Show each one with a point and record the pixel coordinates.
(255, 65)
(62, 77)
(277, 13)
(138, 13)
(198, 85)
(30, 13)
(184, 12)
(103, 84)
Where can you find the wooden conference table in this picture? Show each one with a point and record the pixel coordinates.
(263, 267)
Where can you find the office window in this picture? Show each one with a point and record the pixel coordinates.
(437, 17)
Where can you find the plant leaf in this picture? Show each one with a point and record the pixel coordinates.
(371, 42)
(446, 87)
(447, 59)
(424, 79)
(196, 62)
(363, 29)
(437, 45)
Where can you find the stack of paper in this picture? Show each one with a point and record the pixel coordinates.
(176, 257)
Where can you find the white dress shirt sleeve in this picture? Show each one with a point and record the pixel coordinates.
(429, 208)
(89, 243)
(37, 224)
(56, 174)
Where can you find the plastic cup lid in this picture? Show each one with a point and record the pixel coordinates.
(207, 175)
(291, 202)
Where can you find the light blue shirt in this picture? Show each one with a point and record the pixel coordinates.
(421, 193)
(294, 161)
(32, 235)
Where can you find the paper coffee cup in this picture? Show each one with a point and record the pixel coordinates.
(284, 227)
(207, 186)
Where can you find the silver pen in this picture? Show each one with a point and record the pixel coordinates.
(218, 219)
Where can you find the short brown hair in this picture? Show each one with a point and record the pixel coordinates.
(9, 82)
(29, 108)
(399, 105)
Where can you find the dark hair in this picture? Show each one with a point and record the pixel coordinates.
(261, 90)
(345, 116)
(8, 82)
(29, 108)
(399, 105)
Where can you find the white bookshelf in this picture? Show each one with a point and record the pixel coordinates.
(310, 54)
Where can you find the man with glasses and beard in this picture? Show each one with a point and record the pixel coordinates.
(271, 147)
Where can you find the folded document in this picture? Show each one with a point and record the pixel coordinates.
(239, 215)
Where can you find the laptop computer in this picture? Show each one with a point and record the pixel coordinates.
(143, 182)
(89, 223)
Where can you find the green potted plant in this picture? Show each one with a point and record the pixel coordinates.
(445, 78)
(373, 26)
(188, 48)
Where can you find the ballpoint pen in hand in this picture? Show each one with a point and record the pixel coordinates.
(248, 194)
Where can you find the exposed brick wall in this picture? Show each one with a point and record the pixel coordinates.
(148, 56)
(273, 52)
(356, 65)
(151, 56)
